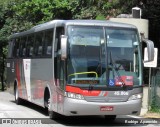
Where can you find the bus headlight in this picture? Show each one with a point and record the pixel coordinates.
(74, 95)
(135, 97)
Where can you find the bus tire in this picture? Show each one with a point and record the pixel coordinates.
(53, 115)
(16, 95)
(110, 118)
(47, 100)
(47, 104)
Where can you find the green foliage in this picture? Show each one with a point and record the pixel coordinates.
(32, 11)
(151, 11)
(4, 2)
(100, 17)
(87, 13)
(91, 9)
(154, 105)
(39, 11)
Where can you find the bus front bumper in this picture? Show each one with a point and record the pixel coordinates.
(74, 107)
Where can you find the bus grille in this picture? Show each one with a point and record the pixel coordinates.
(105, 99)
(116, 99)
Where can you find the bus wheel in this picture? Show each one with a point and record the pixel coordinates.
(16, 95)
(110, 118)
(52, 114)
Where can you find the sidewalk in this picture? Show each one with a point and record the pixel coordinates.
(144, 108)
(152, 115)
(144, 111)
(147, 114)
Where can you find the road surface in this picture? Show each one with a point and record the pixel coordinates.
(30, 115)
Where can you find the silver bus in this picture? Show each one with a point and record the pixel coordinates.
(78, 67)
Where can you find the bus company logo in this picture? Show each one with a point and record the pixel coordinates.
(21, 121)
(106, 108)
(6, 121)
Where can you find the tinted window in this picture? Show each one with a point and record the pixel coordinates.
(11, 48)
(38, 46)
(16, 48)
(30, 43)
(48, 39)
(23, 46)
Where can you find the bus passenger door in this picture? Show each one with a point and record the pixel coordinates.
(59, 70)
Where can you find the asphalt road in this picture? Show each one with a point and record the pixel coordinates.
(30, 115)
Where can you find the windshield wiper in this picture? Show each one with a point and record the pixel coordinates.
(91, 86)
(116, 70)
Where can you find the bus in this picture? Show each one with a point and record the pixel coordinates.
(78, 67)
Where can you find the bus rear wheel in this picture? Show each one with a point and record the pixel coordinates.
(16, 95)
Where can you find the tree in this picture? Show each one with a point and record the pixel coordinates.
(39, 11)
(20, 15)
(7, 23)
(2, 45)
(151, 11)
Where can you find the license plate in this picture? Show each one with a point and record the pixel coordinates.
(106, 108)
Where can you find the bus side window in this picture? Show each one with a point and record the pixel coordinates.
(30, 43)
(48, 40)
(11, 48)
(23, 46)
(38, 46)
(16, 50)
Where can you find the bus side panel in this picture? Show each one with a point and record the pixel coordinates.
(41, 77)
(25, 78)
(15, 74)
(21, 78)
(11, 75)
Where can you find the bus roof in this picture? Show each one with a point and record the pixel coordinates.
(53, 23)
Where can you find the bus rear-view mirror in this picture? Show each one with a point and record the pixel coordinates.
(150, 50)
(63, 47)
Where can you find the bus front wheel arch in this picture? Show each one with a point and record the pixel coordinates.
(47, 105)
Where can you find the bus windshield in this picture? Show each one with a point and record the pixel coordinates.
(102, 56)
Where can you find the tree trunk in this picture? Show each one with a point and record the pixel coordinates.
(2, 73)
(2, 81)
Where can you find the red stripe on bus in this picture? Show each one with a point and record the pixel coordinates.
(106, 93)
(39, 89)
(82, 92)
(18, 78)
